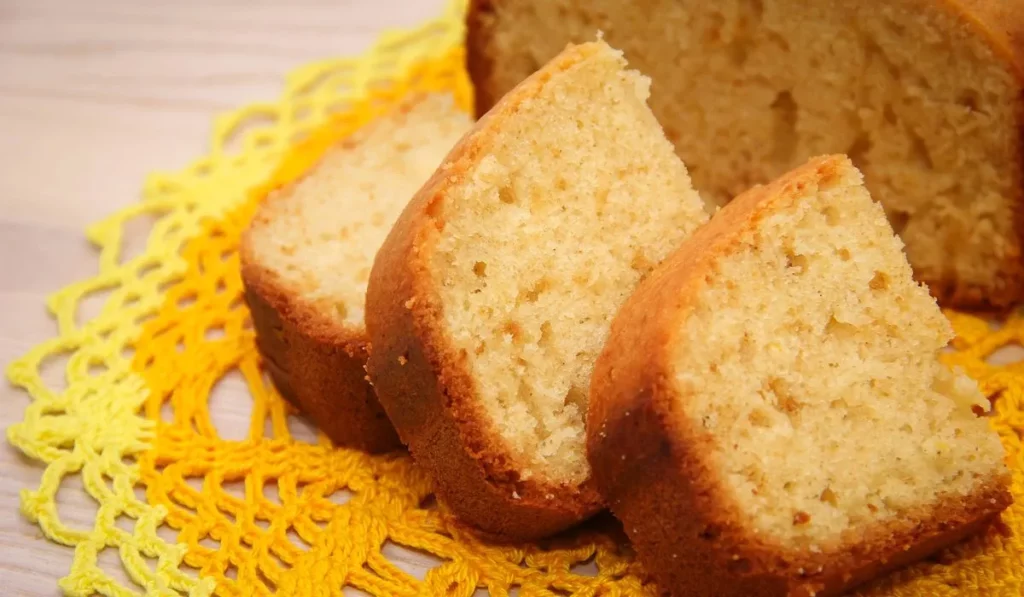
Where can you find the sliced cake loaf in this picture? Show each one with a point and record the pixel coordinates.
(492, 296)
(769, 416)
(306, 259)
(924, 96)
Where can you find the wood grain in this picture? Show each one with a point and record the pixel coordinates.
(93, 96)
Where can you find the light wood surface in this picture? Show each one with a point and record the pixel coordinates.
(93, 96)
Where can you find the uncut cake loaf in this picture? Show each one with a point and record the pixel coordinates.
(492, 296)
(769, 417)
(306, 259)
(923, 95)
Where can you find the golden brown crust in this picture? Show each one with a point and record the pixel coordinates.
(478, 58)
(649, 464)
(1002, 23)
(316, 363)
(423, 381)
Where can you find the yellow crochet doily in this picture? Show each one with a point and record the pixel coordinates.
(274, 515)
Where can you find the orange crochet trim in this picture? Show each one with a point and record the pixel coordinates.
(272, 514)
(302, 539)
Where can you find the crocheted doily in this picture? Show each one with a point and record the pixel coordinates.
(271, 514)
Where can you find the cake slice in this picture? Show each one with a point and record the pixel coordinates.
(769, 416)
(493, 294)
(307, 255)
(925, 96)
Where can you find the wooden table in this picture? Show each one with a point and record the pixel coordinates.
(93, 96)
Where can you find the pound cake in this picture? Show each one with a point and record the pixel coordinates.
(307, 255)
(493, 294)
(769, 416)
(923, 95)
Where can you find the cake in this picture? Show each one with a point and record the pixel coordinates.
(493, 294)
(769, 416)
(307, 255)
(923, 95)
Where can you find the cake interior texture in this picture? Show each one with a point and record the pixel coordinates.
(810, 358)
(321, 234)
(747, 89)
(574, 198)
